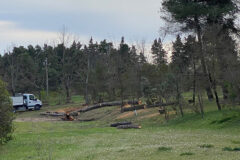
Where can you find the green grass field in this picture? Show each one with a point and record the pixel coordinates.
(216, 137)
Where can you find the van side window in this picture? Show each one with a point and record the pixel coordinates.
(31, 97)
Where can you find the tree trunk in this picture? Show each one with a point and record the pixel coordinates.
(217, 99)
(87, 79)
(213, 82)
(208, 87)
(120, 123)
(12, 77)
(201, 105)
(194, 83)
(104, 104)
(179, 101)
(68, 93)
(46, 69)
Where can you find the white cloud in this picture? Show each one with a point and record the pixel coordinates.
(104, 6)
(11, 34)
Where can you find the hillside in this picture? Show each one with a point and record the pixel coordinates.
(190, 137)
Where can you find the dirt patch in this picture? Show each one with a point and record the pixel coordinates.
(150, 115)
(130, 114)
(42, 119)
(68, 110)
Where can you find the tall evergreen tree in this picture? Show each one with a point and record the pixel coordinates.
(159, 54)
(180, 58)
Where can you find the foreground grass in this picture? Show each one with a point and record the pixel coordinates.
(212, 138)
(79, 141)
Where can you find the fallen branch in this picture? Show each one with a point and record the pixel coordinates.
(120, 123)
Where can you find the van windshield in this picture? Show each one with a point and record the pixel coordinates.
(31, 97)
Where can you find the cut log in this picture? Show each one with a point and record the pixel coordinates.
(87, 120)
(68, 118)
(129, 126)
(120, 123)
(133, 108)
(105, 104)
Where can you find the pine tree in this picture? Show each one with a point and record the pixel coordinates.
(159, 54)
(180, 58)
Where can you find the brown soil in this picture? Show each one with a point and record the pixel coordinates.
(130, 114)
(150, 115)
(42, 119)
(67, 110)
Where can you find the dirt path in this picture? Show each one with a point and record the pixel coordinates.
(36, 119)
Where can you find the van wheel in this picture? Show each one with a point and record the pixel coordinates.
(37, 107)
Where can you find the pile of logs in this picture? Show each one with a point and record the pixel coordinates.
(125, 125)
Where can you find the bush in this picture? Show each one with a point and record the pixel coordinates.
(6, 114)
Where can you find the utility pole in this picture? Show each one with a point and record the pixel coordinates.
(46, 69)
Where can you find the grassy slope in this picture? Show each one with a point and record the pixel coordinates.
(95, 140)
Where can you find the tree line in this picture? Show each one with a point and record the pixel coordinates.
(202, 62)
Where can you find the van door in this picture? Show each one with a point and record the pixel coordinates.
(32, 101)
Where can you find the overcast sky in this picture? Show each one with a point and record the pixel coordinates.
(24, 22)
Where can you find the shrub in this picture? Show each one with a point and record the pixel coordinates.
(6, 114)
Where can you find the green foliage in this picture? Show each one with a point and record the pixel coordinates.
(159, 54)
(6, 114)
(185, 11)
